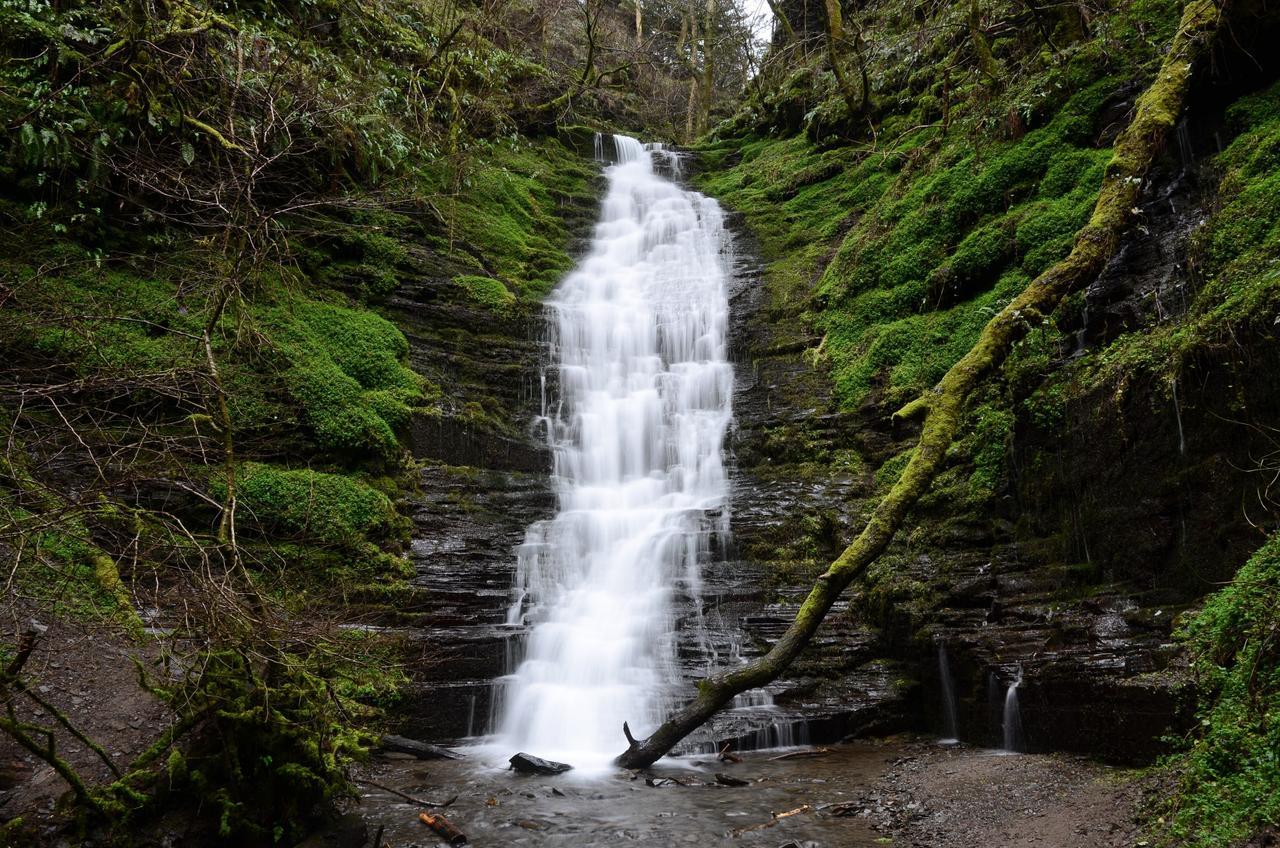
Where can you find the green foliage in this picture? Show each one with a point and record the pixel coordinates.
(356, 87)
(269, 756)
(1228, 776)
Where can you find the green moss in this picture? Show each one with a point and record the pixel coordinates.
(74, 577)
(889, 472)
(368, 670)
(487, 292)
(507, 218)
(1229, 774)
(893, 599)
(345, 369)
(926, 248)
(988, 438)
(1234, 254)
(325, 509)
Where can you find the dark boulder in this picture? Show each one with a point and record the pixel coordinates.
(529, 764)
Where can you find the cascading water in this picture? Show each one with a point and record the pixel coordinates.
(645, 389)
(1014, 741)
(950, 719)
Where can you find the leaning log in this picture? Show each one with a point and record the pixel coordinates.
(940, 408)
(414, 748)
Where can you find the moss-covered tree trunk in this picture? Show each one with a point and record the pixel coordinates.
(783, 21)
(708, 65)
(941, 407)
(835, 46)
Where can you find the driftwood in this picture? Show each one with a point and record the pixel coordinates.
(421, 802)
(727, 756)
(940, 409)
(802, 755)
(414, 748)
(730, 780)
(777, 817)
(445, 829)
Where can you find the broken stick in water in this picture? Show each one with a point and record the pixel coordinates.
(777, 817)
(727, 756)
(444, 828)
(421, 802)
(798, 755)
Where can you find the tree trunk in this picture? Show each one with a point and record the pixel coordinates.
(941, 407)
(708, 66)
(986, 62)
(781, 17)
(690, 122)
(835, 39)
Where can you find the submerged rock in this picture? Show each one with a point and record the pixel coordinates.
(529, 764)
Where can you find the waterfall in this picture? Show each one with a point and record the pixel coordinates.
(950, 720)
(1014, 741)
(637, 427)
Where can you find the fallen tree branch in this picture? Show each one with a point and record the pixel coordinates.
(941, 407)
(421, 802)
(801, 755)
(414, 748)
(777, 817)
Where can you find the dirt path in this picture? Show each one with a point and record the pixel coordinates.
(88, 673)
(959, 797)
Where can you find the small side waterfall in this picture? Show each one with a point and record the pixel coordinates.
(1014, 740)
(638, 334)
(950, 716)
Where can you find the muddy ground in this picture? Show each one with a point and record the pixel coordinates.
(89, 675)
(960, 797)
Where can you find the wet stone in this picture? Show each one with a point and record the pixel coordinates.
(529, 764)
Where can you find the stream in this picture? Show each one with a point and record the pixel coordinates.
(498, 807)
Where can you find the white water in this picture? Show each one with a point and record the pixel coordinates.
(950, 717)
(1014, 741)
(638, 429)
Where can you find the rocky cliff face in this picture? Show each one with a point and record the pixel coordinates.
(1118, 504)
(1130, 489)
(485, 478)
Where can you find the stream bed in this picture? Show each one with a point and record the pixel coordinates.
(906, 791)
(670, 804)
